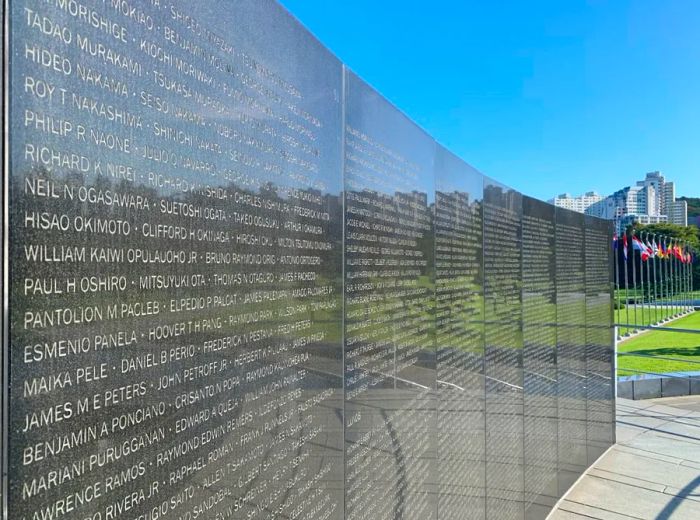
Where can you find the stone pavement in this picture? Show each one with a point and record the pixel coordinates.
(652, 473)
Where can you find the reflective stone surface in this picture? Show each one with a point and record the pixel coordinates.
(390, 374)
(176, 244)
(539, 358)
(571, 346)
(460, 337)
(599, 354)
(243, 285)
(503, 356)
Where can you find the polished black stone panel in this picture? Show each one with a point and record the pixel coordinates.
(390, 378)
(539, 357)
(175, 220)
(599, 338)
(503, 359)
(244, 285)
(460, 337)
(571, 345)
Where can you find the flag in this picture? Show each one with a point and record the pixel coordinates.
(655, 248)
(624, 245)
(639, 246)
(615, 242)
(650, 248)
(677, 252)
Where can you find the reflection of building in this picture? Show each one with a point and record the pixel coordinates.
(580, 203)
(651, 201)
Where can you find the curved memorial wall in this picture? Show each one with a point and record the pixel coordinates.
(240, 284)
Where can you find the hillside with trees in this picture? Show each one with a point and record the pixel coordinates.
(693, 208)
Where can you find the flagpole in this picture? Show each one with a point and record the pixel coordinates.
(625, 245)
(618, 296)
(656, 289)
(680, 286)
(693, 256)
(681, 278)
(685, 276)
(649, 260)
(688, 278)
(674, 271)
(641, 276)
(669, 281)
(667, 272)
(634, 281)
(662, 290)
(676, 278)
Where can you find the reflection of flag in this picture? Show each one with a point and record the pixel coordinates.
(624, 245)
(639, 246)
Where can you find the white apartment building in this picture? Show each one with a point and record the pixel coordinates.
(622, 223)
(631, 200)
(580, 203)
(678, 213)
(651, 201)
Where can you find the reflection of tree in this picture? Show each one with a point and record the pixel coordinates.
(273, 215)
(389, 256)
(459, 289)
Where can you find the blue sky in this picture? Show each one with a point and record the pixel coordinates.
(546, 96)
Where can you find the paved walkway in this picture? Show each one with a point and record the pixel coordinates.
(653, 473)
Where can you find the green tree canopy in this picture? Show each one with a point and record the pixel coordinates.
(689, 234)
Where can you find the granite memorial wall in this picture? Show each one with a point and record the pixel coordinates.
(239, 283)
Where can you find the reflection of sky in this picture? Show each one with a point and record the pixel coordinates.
(454, 175)
(309, 129)
(376, 128)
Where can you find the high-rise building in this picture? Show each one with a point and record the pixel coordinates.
(631, 200)
(678, 213)
(665, 190)
(651, 201)
(580, 203)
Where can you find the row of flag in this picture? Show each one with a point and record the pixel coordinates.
(651, 249)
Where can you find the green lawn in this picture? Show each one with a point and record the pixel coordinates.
(681, 345)
(645, 315)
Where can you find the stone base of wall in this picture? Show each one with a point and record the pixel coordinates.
(658, 387)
